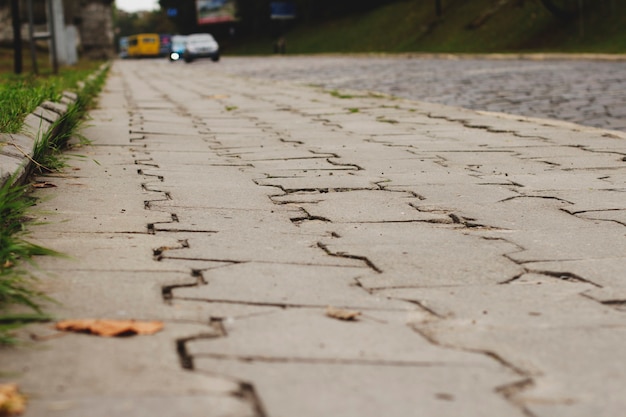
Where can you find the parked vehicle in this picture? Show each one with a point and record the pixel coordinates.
(201, 45)
(177, 47)
(165, 44)
(124, 47)
(143, 45)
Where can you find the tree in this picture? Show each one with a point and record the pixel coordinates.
(145, 22)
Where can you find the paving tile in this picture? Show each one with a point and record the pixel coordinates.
(469, 260)
(287, 285)
(514, 319)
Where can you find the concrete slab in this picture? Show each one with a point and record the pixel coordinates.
(255, 245)
(288, 285)
(9, 166)
(46, 114)
(34, 125)
(367, 206)
(76, 378)
(472, 260)
(16, 145)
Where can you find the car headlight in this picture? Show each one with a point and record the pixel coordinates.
(175, 56)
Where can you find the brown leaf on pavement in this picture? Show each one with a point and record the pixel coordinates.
(12, 403)
(44, 184)
(109, 328)
(340, 314)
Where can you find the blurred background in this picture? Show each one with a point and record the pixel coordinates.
(96, 28)
(321, 26)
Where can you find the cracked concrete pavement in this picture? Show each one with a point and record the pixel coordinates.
(485, 252)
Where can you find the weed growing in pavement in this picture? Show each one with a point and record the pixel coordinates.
(15, 281)
(383, 119)
(48, 149)
(367, 94)
(372, 94)
(337, 94)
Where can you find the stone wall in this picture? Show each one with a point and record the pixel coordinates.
(96, 30)
(92, 18)
(6, 30)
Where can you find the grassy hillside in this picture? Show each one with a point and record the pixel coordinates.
(466, 26)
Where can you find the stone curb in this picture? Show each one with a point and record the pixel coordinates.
(539, 56)
(17, 149)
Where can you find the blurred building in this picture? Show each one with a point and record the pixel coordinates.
(88, 24)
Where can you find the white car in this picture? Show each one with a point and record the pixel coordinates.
(201, 45)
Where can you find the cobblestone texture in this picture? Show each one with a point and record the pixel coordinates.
(588, 92)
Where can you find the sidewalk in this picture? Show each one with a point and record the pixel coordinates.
(485, 256)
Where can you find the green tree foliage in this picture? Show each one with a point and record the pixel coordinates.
(145, 22)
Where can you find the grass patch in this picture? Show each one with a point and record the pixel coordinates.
(21, 94)
(477, 26)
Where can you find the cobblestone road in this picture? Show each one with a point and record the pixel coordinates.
(592, 93)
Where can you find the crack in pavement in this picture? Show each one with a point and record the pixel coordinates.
(344, 255)
(246, 391)
(328, 361)
(510, 391)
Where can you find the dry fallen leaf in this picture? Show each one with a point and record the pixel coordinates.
(12, 403)
(341, 314)
(44, 184)
(109, 328)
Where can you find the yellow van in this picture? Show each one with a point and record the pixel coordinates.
(143, 45)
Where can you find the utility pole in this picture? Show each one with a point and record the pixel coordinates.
(31, 37)
(53, 7)
(61, 44)
(17, 37)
